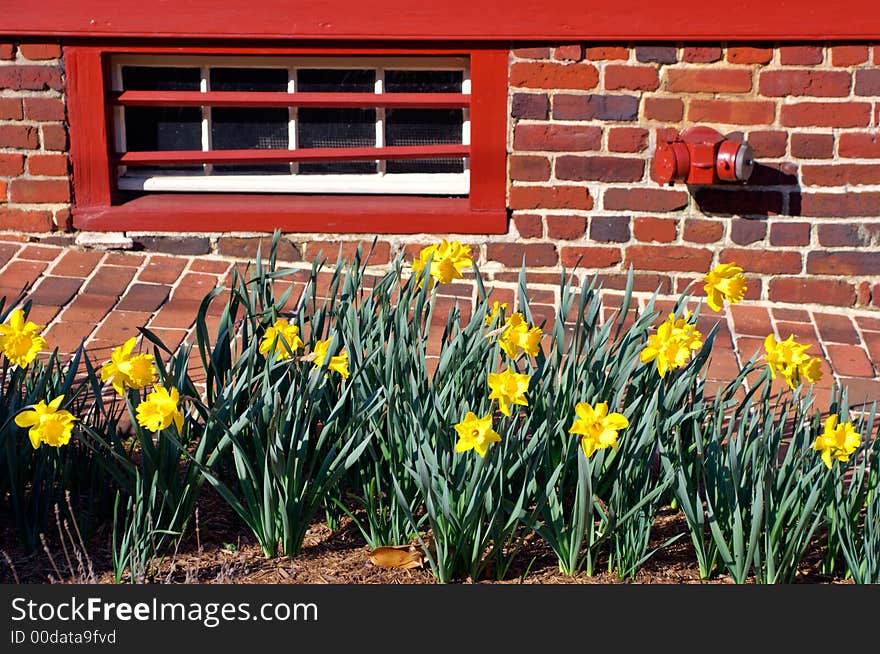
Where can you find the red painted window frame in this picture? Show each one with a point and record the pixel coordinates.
(97, 207)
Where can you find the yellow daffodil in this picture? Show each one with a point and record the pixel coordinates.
(283, 331)
(496, 311)
(20, 340)
(724, 282)
(450, 259)
(596, 427)
(339, 363)
(160, 409)
(519, 335)
(838, 441)
(789, 359)
(123, 369)
(673, 345)
(508, 388)
(476, 434)
(47, 423)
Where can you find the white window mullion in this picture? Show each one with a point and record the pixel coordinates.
(380, 118)
(204, 87)
(292, 115)
(119, 118)
(466, 116)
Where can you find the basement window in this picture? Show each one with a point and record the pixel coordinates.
(333, 141)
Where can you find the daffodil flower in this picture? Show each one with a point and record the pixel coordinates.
(789, 359)
(338, 363)
(449, 259)
(838, 441)
(673, 345)
(476, 434)
(519, 335)
(160, 409)
(20, 340)
(508, 388)
(283, 331)
(724, 282)
(123, 369)
(596, 427)
(48, 424)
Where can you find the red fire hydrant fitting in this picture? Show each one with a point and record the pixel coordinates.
(701, 155)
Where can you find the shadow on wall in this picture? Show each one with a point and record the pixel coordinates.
(771, 191)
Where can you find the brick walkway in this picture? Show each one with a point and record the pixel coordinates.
(103, 297)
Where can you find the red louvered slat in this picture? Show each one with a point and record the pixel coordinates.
(280, 99)
(180, 157)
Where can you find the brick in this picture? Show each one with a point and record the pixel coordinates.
(120, 326)
(659, 230)
(529, 169)
(841, 175)
(814, 146)
(49, 165)
(535, 106)
(88, 308)
(839, 205)
(30, 78)
(751, 321)
(848, 55)
(645, 199)
(558, 138)
(632, 78)
(855, 263)
(665, 109)
(749, 55)
(566, 228)
(39, 190)
(701, 55)
(568, 52)
(162, 270)
(590, 257)
(511, 254)
(768, 262)
(709, 80)
(176, 313)
(7, 51)
(531, 53)
(54, 137)
(806, 291)
(194, 286)
(550, 197)
(10, 109)
(850, 361)
(735, 112)
(589, 107)
(109, 280)
(11, 164)
(144, 297)
(212, 266)
(606, 53)
(38, 253)
(124, 259)
(816, 83)
(77, 263)
(546, 75)
(864, 145)
(738, 202)
(657, 54)
(863, 294)
(846, 235)
(800, 55)
(674, 258)
(790, 234)
(825, 114)
(67, 336)
(56, 291)
(40, 51)
(529, 225)
(836, 328)
(333, 250)
(610, 229)
(768, 144)
(43, 109)
(246, 248)
(25, 220)
(775, 174)
(627, 139)
(605, 169)
(703, 231)
(19, 136)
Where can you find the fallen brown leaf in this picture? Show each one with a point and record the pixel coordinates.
(404, 557)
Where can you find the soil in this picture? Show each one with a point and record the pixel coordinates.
(220, 550)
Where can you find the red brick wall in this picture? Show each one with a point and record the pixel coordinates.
(34, 185)
(583, 126)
